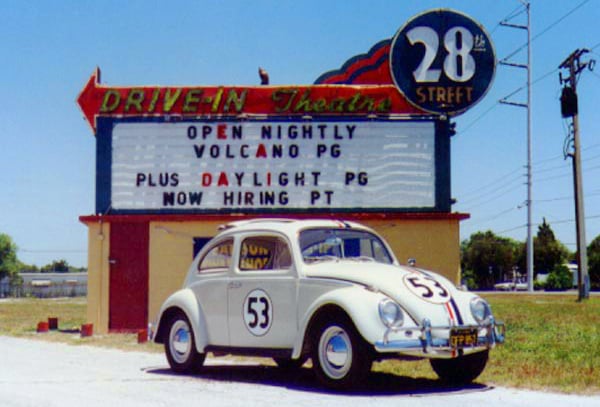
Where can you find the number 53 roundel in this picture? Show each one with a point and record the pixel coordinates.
(258, 312)
(427, 288)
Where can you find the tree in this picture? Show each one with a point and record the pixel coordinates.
(594, 263)
(548, 252)
(28, 268)
(8, 257)
(486, 258)
(59, 266)
(560, 279)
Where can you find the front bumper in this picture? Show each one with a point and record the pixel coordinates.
(425, 343)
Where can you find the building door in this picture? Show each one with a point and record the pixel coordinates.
(128, 263)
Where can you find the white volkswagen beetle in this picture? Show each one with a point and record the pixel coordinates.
(330, 291)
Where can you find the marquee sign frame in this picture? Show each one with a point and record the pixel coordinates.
(308, 179)
(365, 92)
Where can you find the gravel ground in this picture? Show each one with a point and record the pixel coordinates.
(37, 373)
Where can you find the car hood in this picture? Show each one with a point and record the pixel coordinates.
(394, 281)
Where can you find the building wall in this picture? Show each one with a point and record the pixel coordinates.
(434, 243)
(171, 252)
(98, 275)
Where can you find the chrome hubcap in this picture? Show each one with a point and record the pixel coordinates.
(180, 341)
(335, 352)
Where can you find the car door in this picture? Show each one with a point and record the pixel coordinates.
(210, 288)
(262, 293)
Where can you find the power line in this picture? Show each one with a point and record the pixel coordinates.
(552, 178)
(496, 180)
(561, 167)
(541, 78)
(566, 197)
(481, 116)
(544, 76)
(495, 216)
(553, 158)
(509, 16)
(485, 112)
(498, 188)
(493, 198)
(545, 30)
(511, 229)
(566, 166)
(520, 9)
(480, 191)
(483, 191)
(556, 222)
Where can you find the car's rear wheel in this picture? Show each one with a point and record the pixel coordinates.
(180, 346)
(460, 370)
(340, 356)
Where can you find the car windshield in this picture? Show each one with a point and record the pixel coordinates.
(333, 244)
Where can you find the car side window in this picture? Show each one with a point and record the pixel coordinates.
(380, 253)
(217, 258)
(265, 253)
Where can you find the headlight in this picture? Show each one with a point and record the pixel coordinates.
(481, 310)
(390, 313)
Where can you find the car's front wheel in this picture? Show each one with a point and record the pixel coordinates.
(460, 370)
(340, 356)
(180, 346)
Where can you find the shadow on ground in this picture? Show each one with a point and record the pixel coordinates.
(378, 384)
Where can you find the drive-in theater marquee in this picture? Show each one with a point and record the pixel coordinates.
(371, 136)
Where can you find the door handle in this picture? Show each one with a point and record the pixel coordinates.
(234, 284)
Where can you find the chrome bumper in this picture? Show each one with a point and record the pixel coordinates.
(489, 334)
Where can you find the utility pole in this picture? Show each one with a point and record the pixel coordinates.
(569, 108)
(527, 105)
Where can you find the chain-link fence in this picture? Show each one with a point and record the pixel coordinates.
(43, 289)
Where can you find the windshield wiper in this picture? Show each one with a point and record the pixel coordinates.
(314, 259)
(361, 258)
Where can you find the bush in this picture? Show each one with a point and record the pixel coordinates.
(468, 279)
(560, 279)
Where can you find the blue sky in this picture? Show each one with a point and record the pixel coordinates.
(49, 50)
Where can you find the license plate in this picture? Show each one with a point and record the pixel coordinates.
(463, 338)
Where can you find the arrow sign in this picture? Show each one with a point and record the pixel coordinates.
(98, 100)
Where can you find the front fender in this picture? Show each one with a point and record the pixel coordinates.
(361, 305)
(184, 301)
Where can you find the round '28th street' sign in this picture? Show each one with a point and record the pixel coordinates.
(442, 61)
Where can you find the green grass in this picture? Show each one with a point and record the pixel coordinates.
(553, 341)
(19, 317)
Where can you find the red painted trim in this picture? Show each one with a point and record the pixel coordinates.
(232, 217)
(450, 312)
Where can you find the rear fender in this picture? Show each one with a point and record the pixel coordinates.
(183, 301)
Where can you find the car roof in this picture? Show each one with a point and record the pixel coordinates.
(288, 226)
